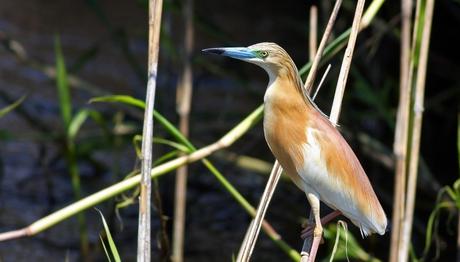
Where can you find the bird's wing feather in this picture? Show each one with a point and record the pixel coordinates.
(332, 170)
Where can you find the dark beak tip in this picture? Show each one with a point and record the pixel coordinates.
(216, 51)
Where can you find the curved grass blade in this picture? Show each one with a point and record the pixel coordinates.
(113, 248)
(11, 107)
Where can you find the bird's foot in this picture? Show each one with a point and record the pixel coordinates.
(310, 228)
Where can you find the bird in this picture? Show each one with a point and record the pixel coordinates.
(308, 146)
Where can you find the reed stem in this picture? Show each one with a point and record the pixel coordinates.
(417, 129)
(184, 98)
(401, 131)
(144, 231)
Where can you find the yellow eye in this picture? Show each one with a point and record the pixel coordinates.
(263, 54)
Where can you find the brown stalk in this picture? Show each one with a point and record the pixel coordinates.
(346, 62)
(144, 233)
(313, 32)
(319, 53)
(254, 228)
(417, 130)
(401, 132)
(184, 99)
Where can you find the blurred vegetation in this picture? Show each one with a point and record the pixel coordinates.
(58, 145)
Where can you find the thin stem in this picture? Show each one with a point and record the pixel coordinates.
(401, 132)
(184, 98)
(144, 233)
(313, 32)
(417, 130)
(321, 82)
(346, 62)
(249, 242)
(319, 53)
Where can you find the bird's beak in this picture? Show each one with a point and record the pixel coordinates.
(241, 53)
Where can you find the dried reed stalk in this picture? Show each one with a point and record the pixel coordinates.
(313, 32)
(254, 228)
(417, 130)
(184, 99)
(327, 32)
(346, 62)
(143, 240)
(401, 132)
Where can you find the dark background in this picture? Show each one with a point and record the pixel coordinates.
(104, 43)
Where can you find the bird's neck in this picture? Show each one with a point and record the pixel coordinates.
(285, 89)
(284, 86)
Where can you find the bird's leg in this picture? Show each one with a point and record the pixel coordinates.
(308, 230)
(318, 231)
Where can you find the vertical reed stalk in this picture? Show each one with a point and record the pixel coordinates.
(143, 241)
(254, 228)
(401, 132)
(346, 62)
(417, 128)
(327, 32)
(184, 98)
(313, 32)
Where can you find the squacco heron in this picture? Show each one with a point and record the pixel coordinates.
(309, 148)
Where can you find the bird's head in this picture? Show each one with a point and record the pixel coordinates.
(270, 56)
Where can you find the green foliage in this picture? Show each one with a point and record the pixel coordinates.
(448, 200)
(128, 100)
(343, 245)
(80, 118)
(112, 246)
(71, 127)
(62, 85)
(378, 98)
(11, 107)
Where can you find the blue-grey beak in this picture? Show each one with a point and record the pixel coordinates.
(241, 53)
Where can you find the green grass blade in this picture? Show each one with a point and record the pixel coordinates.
(129, 100)
(162, 141)
(113, 248)
(76, 122)
(124, 99)
(79, 119)
(105, 249)
(11, 107)
(347, 248)
(65, 104)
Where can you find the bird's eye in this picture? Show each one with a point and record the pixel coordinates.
(263, 54)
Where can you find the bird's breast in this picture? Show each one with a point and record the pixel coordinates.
(285, 135)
